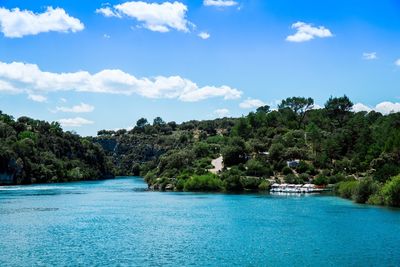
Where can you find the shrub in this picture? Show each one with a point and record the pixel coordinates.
(204, 163)
(384, 172)
(286, 170)
(303, 178)
(321, 180)
(250, 183)
(207, 182)
(303, 167)
(231, 179)
(376, 199)
(180, 184)
(257, 168)
(201, 150)
(346, 189)
(391, 192)
(364, 189)
(334, 179)
(291, 179)
(264, 186)
(150, 177)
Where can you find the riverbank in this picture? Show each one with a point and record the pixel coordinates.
(371, 192)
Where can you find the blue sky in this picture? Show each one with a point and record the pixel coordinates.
(104, 64)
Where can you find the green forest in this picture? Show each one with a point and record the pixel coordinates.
(356, 153)
(33, 151)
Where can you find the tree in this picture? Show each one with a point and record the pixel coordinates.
(257, 168)
(141, 123)
(231, 179)
(263, 109)
(158, 121)
(299, 105)
(242, 128)
(314, 134)
(276, 151)
(338, 108)
(235, 152)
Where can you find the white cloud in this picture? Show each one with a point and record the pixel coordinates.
(361, 107)
(251, 103)
(107, 12)
(397, 62)
(388, 107)
(220, 3)
(106, 36)
(17, 23)
(316, 106)
(22, 77)
(153, 16)
(369, 55)
(306, 32)
(194, 93)
(37, 98)
(63, 100)
(81, 108)
(204, 35)
(74, 122)
(223, 112)
(8, 88)
(385, 107)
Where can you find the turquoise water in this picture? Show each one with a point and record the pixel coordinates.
(118, 223)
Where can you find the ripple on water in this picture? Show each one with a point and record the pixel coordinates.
(120, 223)
(23, 210)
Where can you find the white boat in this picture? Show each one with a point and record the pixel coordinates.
(294, 188)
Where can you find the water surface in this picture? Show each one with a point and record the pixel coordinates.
(119, 223)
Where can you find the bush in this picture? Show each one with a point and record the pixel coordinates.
(150, 177)
(257, 168)
(204, 163)
(334, 179)
(201, 150)
(250, 183)
(286, 170)
(264, 186)
(364, 189)
(321, 180)
(180, 184)
(303, 178)
(391, 192)
(303, 167)
(231, 179)
(376, 199)
(384, 172)
(346, 189)
(207, 182)
(291, 178)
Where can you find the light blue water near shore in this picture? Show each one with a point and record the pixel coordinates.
(118, 223)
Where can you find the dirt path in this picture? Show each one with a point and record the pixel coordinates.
(218, 165)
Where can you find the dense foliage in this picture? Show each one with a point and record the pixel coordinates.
(297, 143)
(372, 192)
(330, 145)
(33, 151)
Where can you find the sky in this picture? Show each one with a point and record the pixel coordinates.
(93, 65)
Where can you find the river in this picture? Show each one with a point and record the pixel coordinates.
(118, 223)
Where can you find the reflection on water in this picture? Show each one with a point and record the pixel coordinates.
(120, 223)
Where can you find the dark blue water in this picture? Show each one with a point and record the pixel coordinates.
(118, 223)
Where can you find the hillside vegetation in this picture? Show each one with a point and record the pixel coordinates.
(331, 145)
(33, 151)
